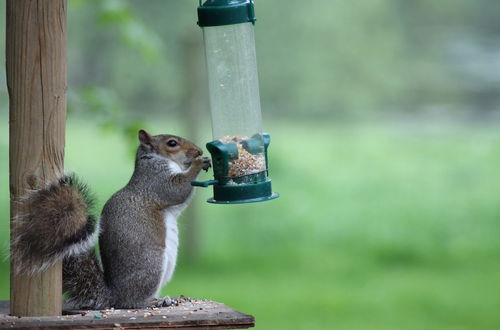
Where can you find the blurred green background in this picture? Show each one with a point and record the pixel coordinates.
(385, 122)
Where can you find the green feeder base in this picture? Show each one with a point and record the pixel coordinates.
(245, 201)
(250, 188)
(243, 193)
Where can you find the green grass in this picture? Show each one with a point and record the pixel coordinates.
(378, 227)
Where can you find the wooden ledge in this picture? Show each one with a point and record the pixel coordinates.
(196, 314)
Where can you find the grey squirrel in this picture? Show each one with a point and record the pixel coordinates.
(138, 236)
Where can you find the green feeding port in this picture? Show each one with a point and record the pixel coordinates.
(239, 148)
(240, 170)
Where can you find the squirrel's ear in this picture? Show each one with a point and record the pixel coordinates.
(144, 137)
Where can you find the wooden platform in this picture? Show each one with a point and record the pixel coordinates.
(196, 314)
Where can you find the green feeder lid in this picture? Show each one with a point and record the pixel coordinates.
(225, 12)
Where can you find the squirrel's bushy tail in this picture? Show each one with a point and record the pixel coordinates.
(83, 281)
(57, 224)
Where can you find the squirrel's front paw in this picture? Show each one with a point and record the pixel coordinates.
(205, 163)
(202, 162)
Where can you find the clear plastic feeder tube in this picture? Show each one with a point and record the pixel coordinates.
(239, 148)
(233, 80)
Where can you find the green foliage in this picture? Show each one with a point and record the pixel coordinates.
(101, 103)
(134, 33)
(107, 112)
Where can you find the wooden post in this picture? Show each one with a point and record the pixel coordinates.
(36, 80)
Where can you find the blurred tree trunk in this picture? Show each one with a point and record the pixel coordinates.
(193, 105)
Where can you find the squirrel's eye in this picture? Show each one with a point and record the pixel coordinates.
(172, 143)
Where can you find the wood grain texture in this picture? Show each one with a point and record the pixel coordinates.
(36, 80)
(198, 314)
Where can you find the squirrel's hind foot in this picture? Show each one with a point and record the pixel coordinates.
(168, 301)
(160, 302)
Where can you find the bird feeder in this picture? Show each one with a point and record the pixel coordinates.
(239, 148)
